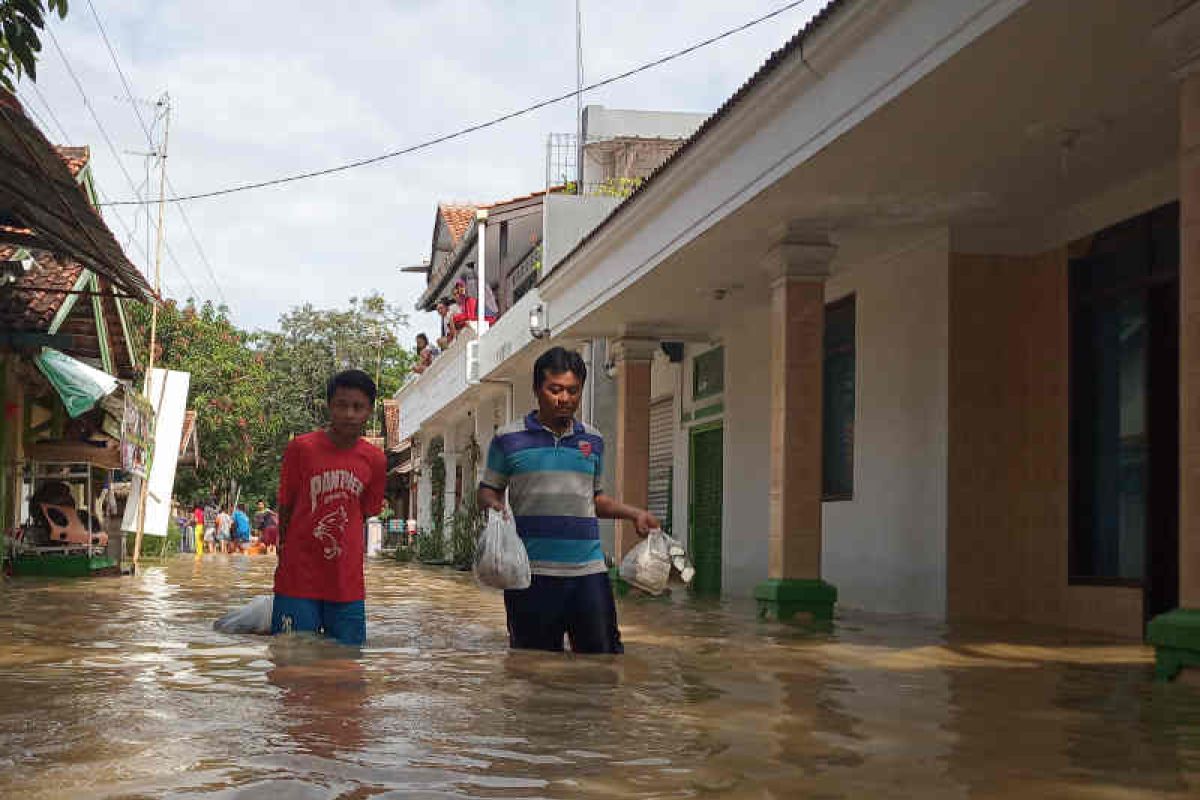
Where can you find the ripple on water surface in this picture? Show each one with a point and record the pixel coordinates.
(120, 688)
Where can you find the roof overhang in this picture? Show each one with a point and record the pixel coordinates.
(41, 200)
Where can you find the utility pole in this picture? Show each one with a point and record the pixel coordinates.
(162, 188)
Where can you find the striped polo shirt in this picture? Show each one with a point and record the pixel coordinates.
(552, 484)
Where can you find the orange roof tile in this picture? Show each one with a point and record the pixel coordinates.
(391, 423)
(76, 157)
(31, 302)
(457, 218)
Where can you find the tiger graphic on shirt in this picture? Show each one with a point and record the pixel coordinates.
(334, 485)
(328, 531)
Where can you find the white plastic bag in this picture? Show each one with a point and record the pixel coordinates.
(500, 558)
(254, 617)
(648, 565)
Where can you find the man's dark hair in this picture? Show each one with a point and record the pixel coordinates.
(558, 359)
(423, 338)
(445, 301)
(351, 379)
(241, 506)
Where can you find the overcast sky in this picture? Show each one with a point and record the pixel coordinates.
(264, 89)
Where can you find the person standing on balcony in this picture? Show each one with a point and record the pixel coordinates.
(446, 309)
(468, 307)
(425, 354)
(551, 465)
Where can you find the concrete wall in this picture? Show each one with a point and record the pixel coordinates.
(568, 218)
(747, 446)
(885, 548)
(605, 123)
(1009, 458)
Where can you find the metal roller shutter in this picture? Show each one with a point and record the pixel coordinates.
(661, 458)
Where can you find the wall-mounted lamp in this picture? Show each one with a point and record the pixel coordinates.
(538, 328)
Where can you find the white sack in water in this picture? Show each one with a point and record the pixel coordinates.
(254, 617)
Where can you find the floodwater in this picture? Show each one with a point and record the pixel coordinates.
(119, 687)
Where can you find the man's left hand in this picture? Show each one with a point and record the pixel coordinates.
(645, 522)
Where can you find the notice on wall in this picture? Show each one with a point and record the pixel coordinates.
(168, 392)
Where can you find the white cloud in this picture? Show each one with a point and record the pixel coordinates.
(265, 89)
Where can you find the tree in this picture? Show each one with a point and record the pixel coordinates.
(312, 344)
(253, 391)
(20, 21)
(228, 383)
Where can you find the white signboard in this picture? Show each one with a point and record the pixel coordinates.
(168, 395)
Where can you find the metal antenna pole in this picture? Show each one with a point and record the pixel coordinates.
(578, 98)
(162, 188)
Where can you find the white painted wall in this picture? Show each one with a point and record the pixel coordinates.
(747, 468)
(567, 219)
(606, 123)
(885, 550)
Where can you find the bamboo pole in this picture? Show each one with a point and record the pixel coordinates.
(162, 188)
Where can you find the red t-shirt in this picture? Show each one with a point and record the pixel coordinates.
(330, 492)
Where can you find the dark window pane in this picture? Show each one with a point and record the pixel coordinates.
(708, 374)
(837, 457)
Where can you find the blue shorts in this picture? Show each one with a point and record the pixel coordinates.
(343, 622)
(582, 609)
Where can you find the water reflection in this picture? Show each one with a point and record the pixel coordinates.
(120, 688)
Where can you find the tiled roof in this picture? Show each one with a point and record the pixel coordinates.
(391, 423)
(518, 199)
(457, 218)
(793, 46)
(42, 194)
(76, 157)
(25, 308)
(189, 430)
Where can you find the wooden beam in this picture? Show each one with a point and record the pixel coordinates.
(68, 305)
(106, 356)
(23, 339)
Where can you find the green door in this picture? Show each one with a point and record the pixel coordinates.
(705, 503)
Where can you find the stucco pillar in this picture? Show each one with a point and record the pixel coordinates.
(797, 266)
(1176, 634)
(632, 452)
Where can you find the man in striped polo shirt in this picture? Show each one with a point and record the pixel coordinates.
(551, 465)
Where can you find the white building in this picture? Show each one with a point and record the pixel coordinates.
(932, 275)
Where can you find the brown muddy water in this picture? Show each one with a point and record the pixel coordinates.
(120, 688)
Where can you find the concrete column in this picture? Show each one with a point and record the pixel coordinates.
(632, 451)
(796, 266)
(1176, 634)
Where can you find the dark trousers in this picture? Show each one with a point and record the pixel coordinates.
(582, 609)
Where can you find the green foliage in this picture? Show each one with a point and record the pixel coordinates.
(229, 391)
(254, 391)
(312, 344)
(430, 546)
(437, 482)
(20, 21)
(618, 187)
(466, 522)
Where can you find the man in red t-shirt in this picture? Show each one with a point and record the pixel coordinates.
(330, 482)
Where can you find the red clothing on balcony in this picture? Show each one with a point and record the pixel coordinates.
(470, 311)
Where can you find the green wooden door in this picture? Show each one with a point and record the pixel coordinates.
(705, 503)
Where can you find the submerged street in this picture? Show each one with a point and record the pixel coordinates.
(120, 688)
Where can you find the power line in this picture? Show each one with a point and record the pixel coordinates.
(113, 150)
(243, 187)
(131, 238)
(112, 53)
(49, 111)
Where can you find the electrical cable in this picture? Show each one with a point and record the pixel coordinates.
(111, 147)
(112, 53)
(243, 187)
(131, 239)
